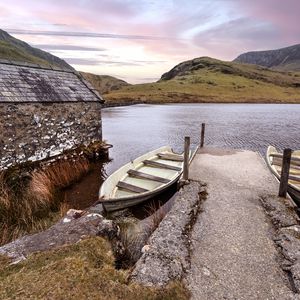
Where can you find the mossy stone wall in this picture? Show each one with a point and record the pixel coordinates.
(35, 131)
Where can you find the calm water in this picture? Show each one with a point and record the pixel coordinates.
(134, 130)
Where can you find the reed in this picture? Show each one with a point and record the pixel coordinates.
(135, 234)
(33, 204)
(156, 215)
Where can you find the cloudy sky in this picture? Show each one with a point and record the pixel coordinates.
(138, 40)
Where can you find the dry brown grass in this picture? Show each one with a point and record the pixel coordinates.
(84, 270)
(134, 235)
(156, 215)
(65, 173)
(31, 206)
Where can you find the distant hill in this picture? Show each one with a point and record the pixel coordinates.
(199, 80)
(14, 49)
(206, 79)
(104, 83)
(285, 59)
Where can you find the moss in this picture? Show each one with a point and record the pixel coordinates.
(81, 271)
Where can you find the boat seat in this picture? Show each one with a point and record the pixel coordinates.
(279, 155)
(294, 178)
(170, 156)
(279, 163)
(156, 164)
(143, 175)
(131, 187)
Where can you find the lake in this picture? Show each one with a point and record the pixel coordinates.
(134, 130)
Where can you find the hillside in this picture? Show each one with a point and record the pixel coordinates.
(284, 59)
(210, 80)
(14, 49)
(104, 83)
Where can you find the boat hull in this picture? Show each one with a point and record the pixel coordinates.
(166, 167)
(293, 191)
(295, 195)
(114, 205)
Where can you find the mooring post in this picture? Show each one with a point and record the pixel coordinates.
(186, 158)
(202, 134)
(285, 170)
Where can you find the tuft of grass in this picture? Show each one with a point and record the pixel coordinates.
(81, 271)
(156, 215)
(31, 204)
(62, 174)
(134, 235)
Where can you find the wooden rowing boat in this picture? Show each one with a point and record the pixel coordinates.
(141, 179)
(274, 161)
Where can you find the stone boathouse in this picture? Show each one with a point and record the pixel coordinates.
(44, 111)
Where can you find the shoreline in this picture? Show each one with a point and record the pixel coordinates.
(120, 104)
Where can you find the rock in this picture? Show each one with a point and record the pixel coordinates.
(69, 230)
(166, 256)
(74, 213)
(280, 210)
(146, 248)
(287, 238)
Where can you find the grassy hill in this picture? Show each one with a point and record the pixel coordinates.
(104, 83)
(210, 80)
(14, 49)
(198, 80)
(284, 59)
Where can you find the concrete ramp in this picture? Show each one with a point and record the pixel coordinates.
(233, 254)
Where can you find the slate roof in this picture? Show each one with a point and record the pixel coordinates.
(25, 82)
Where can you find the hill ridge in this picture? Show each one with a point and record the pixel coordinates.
(18, 50)
(285, 59)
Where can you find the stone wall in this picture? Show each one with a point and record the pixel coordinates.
(34, 131)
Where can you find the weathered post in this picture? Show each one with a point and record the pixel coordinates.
(186, 158)
(285, 170)
(202, 134)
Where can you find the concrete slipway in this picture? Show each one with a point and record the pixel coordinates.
(240, 240)
(234, 255)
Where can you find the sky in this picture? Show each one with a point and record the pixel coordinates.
(139, 40)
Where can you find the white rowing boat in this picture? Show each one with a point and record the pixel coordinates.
(274, 160)
(141, 179)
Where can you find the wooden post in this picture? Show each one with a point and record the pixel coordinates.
(202, 134)
(186, 158)
(285, 170)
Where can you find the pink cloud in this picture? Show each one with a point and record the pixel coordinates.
(4, 10)
(284, 15)
(221, 29)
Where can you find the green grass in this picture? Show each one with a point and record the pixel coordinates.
(81, 271)
(104, 83)
(211, 80)
(8, 51)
